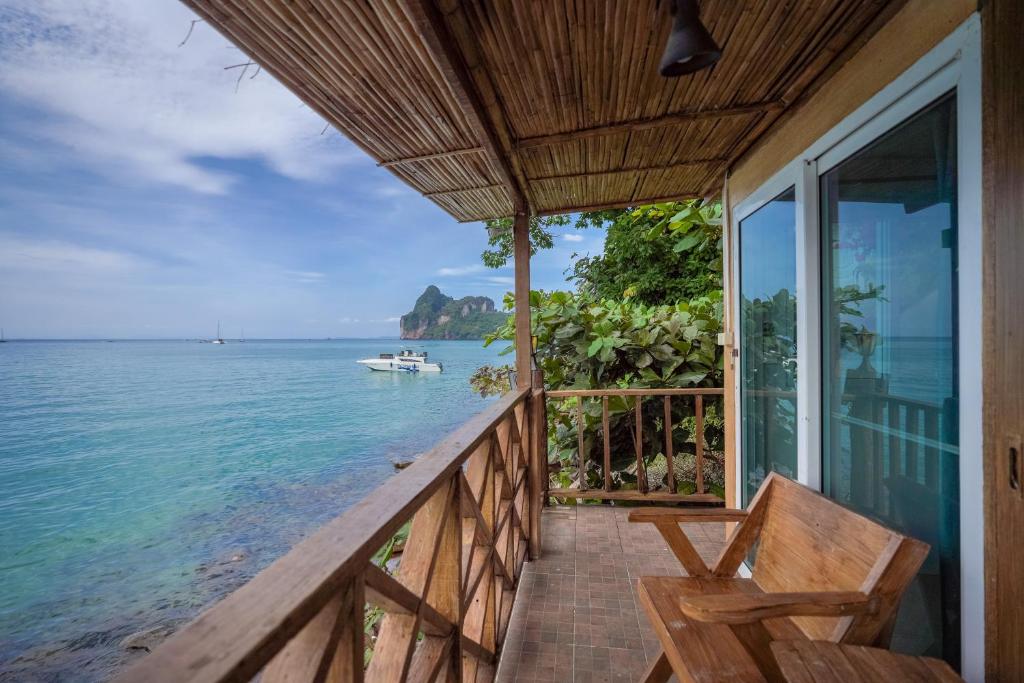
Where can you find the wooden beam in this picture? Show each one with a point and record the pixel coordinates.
(621, 203)
(429, 157)
(460, 190)
(636, 169)
(697, 391)
(650, 497)
(524, 341)
(647, 124)
(441, 45)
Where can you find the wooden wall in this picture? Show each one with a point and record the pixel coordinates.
(1003, 356)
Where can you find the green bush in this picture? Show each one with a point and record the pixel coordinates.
(587, 344)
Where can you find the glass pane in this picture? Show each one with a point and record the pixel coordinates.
(890, 442)
(768, 342)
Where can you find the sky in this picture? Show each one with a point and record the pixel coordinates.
(147, 192)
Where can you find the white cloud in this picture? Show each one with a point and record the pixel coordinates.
(572, 238)
(458, 271)
(122, 97)
(54, 256)
(393, 319)
(305, 277)
(500, 280)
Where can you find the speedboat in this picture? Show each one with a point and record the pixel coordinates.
(404, 361)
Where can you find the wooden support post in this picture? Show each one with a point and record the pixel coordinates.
(581, 425)
(641, 471)
(698, 439)
(538, 466)
(669, 453)
(606, 426)
(524, 345)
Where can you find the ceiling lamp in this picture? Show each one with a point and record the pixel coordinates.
(690, 47)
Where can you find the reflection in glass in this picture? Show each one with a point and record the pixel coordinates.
(768, 342)
(889, 354)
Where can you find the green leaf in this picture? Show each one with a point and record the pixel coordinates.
(594, 347)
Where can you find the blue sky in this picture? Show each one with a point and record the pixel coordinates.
(142, 196)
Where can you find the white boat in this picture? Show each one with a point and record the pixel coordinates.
(218, 340)
(404, 361)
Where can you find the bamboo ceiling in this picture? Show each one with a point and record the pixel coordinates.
(551, 106)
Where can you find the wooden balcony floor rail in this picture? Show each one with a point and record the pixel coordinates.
(472, 505)
(634, 399)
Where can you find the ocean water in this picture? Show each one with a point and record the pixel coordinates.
(142, 481)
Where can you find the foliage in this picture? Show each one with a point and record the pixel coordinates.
(655, 254)
(490, 380)
(586, 344)
(499, 232)
(374, 615)
(582, 343)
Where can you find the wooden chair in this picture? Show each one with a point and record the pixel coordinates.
(822, 572)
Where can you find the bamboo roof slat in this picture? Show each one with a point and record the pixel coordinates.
(489, 106)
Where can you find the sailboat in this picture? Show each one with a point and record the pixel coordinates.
(242, 340)
(218, 340)
(2, 340)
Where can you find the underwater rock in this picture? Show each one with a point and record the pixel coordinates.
(147, 639)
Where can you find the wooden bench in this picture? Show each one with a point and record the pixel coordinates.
(822, 572)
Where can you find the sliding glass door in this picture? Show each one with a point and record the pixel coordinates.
(890, 443)
(767, 307)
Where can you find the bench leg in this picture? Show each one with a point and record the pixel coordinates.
(659, 670)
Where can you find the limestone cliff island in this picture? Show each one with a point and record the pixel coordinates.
(437, 316)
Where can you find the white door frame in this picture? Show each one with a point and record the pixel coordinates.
(953, 64)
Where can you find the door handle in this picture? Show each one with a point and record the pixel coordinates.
(1015, 453)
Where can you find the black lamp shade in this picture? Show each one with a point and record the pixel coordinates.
(690, 47)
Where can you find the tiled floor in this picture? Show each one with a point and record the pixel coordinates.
(576, 616)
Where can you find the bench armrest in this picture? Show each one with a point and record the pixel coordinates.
(655, 515)
(752, 607)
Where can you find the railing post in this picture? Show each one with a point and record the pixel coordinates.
(538, 463)
(521, 261)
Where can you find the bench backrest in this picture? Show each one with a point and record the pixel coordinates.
(811, 543)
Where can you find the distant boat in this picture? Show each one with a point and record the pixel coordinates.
(405, 361)
(218, 340)
(242, 340)
(2, 340)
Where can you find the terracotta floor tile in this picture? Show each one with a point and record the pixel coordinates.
(576, 617)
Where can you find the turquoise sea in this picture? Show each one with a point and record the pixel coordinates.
(140, 481)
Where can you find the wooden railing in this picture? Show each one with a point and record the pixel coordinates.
(473, 502)
(607, 491)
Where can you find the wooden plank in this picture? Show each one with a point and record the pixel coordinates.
(325, 643)
(523, 336)
(669, 451)
(581, 460)
(1003, 315)
(698, 441)
(234, 640)
(641, 471)
(681, 547)
(651, 496)
(606, 439)
(674, 119)
(431, 156)
(742, 609)
(658, 671)
(594, 393)
(696, 515)
(538, 467)
(433, 31)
